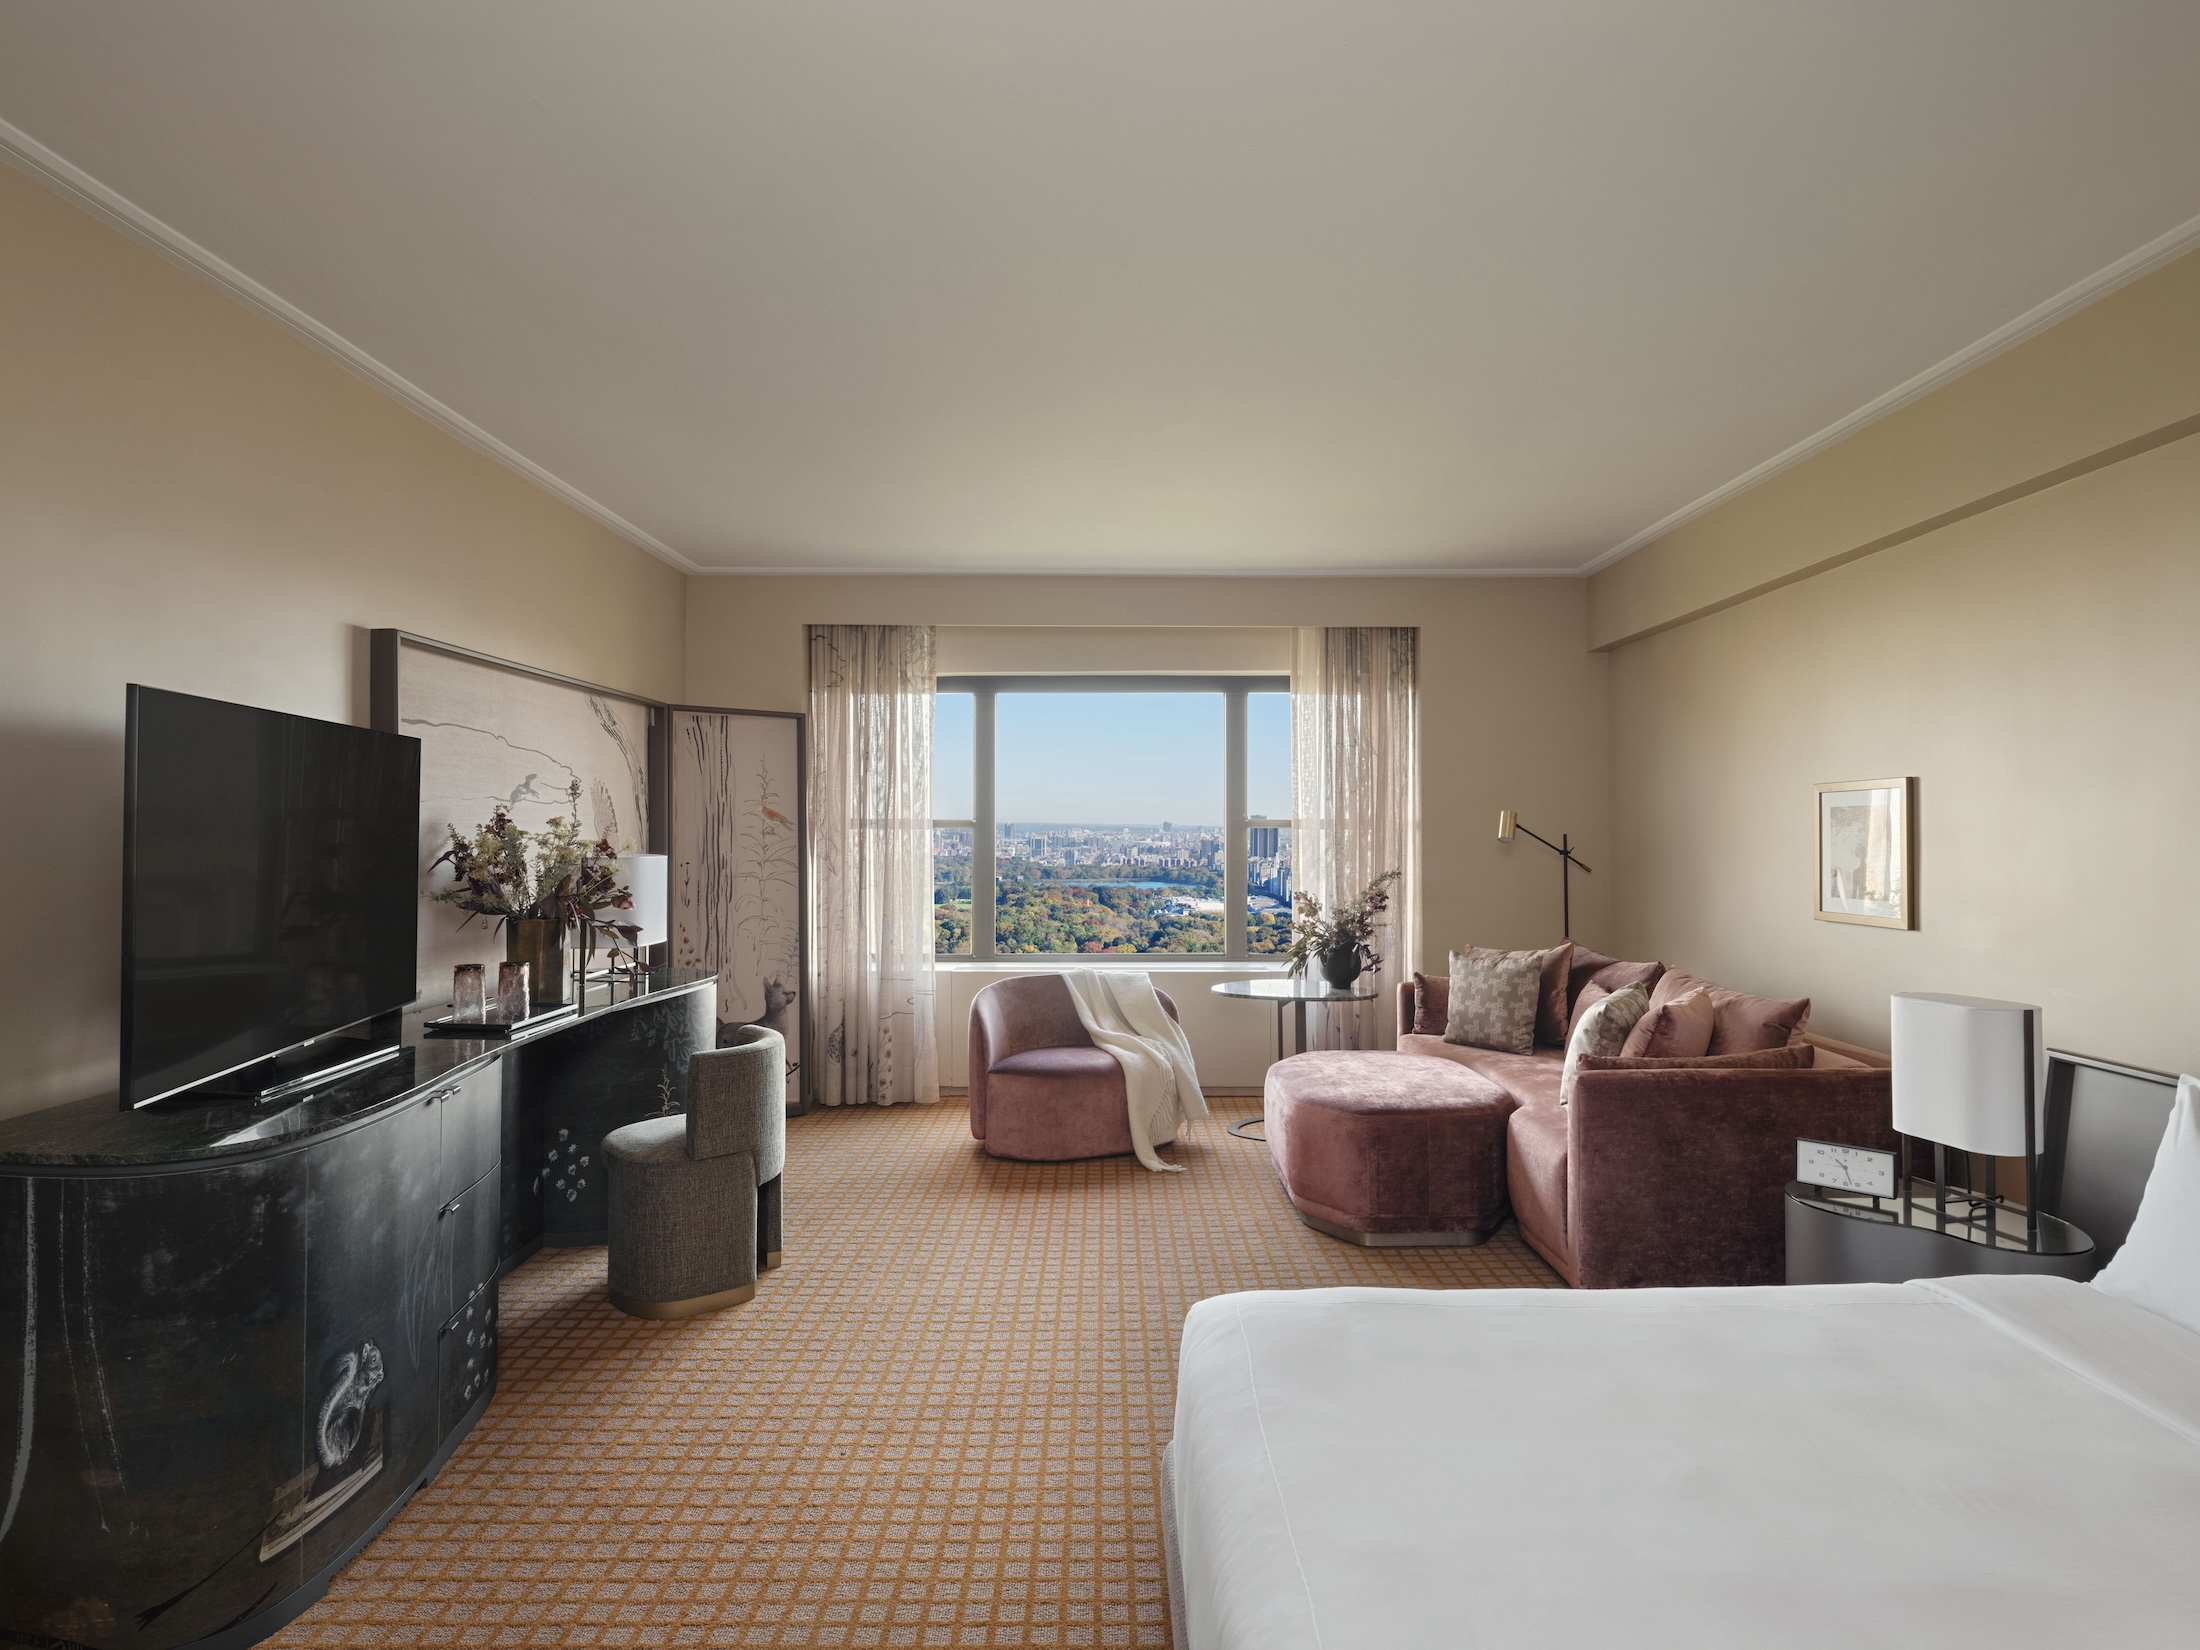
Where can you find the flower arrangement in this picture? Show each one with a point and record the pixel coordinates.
(1342, 935)
(552, 875)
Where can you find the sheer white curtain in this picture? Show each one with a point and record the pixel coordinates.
(1355, 740)
(873, 1031)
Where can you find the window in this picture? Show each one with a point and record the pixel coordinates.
(1267, 881)
(1121, 816)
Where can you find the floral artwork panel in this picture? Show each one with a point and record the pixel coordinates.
(737, 896)
(489, 736)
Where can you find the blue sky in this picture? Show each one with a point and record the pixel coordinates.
(1112, 758)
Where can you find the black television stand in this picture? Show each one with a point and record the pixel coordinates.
(241, 1277)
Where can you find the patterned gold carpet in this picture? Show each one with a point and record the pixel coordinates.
(940, 1423)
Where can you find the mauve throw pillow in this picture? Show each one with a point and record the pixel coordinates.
(1601, 1029)
(1493, 1002)
(1743, 1024)
(1606, 980)
(1608, 972)
(1553, 970)
(1585, 963)
(1429, 999)
(1679, 1028)
(1673, 983)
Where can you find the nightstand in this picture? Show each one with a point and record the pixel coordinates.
(1849, 1237)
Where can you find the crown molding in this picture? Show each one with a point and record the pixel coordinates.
(2163, 248)
(65, 178)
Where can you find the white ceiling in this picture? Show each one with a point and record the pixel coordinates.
(1168, 285)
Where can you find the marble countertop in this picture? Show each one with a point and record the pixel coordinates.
(97, 1134)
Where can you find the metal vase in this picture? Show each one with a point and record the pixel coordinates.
(540, 944)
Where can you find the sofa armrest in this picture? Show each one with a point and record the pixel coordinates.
(1675, 1178)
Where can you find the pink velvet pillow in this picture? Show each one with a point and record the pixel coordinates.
(1679, 1028)
(1594, 966)
(1584, 964)
(1431, 1004)
(1602, 982)
(1673, 983)
(1555, 966)
(1740, 1023)
(1745, 1024)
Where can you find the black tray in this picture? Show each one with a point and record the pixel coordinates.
(483, 1030)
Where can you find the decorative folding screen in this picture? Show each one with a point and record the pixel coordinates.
(737, 867)
(497, 734)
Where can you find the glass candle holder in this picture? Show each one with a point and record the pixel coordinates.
(469, 993)
(512, 992)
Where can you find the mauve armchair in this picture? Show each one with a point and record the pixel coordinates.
(1039, 1090)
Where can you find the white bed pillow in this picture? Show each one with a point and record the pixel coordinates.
(2159, 1265)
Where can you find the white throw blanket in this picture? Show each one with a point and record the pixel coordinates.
(1123, 1015)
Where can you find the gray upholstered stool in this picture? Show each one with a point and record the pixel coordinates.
(695, 1200)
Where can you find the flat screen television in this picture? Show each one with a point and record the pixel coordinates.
(269, 888)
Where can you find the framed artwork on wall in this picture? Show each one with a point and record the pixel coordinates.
(739, 895)
(1867, 842)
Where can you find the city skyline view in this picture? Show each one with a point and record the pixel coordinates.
(1109, 834)
(1077, 888)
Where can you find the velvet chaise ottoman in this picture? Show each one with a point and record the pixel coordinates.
(1389, 1150)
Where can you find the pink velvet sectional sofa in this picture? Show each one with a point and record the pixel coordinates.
(1670, 1176)
(1659, 1172)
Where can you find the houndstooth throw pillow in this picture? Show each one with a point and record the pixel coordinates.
(1603, 1029)
(1493, 1002)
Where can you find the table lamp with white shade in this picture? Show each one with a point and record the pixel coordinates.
(1970, 1072)
(648, 879)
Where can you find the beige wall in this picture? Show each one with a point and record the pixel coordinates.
(191, 498)
(2030, 661)
(2118, 377)
(1513, 714)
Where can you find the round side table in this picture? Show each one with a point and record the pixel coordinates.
(1294, 993)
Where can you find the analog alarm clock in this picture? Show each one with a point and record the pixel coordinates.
(1844, 1168)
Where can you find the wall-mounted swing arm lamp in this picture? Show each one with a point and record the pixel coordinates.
(1508, 822)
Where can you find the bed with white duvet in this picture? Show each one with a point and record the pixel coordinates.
(2003, 1461)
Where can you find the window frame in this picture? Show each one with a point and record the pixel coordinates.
(984, 828)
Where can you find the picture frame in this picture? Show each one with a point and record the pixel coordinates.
(1867, 852)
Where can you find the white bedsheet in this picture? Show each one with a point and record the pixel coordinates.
(2011, 1461)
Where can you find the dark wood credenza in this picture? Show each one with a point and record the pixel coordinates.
(236, 1338)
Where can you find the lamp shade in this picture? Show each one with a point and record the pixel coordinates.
(1963, 1069)
(647, 878)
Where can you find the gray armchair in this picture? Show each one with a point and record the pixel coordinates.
(696, 1200)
